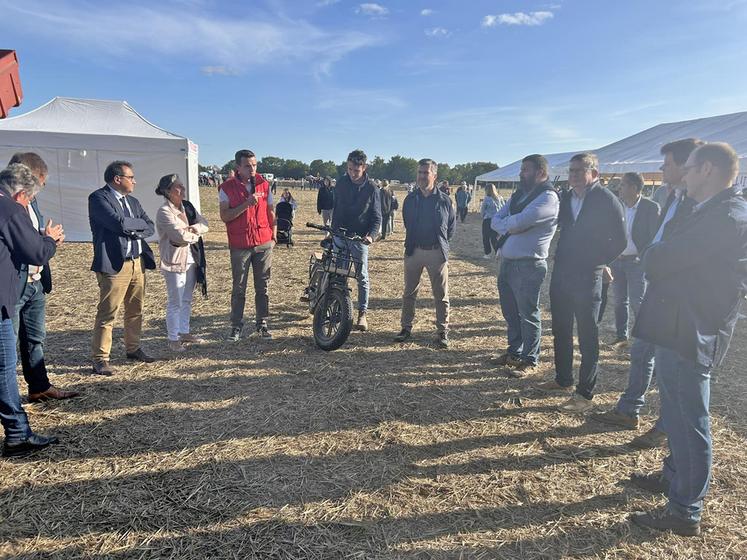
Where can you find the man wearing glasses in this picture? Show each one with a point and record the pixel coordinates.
(592, 235)
(120, 256)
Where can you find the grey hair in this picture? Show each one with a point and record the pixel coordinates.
(16, 178)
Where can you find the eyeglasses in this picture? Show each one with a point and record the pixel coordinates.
(130, 177)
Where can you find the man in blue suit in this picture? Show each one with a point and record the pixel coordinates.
(120, 257)
(19, 243)
(30, 317)
(697, 281)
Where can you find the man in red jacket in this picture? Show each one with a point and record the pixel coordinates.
(246, 207)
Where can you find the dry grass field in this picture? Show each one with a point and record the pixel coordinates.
(378, 450)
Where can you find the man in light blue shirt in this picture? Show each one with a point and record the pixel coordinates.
(526, 225)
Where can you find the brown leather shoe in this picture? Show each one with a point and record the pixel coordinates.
(102, 368)
(52, 393)
(140, 356)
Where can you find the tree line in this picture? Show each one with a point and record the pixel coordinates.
(399, 168)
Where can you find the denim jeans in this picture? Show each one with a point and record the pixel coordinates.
(576, 295)
(13, 418)
(180, 288)
(685, 390)
(519, 284)
(628, 286)
(640, 373)
(30, 329)
(358, 251)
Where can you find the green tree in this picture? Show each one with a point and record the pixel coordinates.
(444, 172)
(323, 168)
(294, 169)
(272, 164)
(377, 168)
(226, 169)
(402, 169)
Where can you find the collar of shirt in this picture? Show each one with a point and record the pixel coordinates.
(117, 194)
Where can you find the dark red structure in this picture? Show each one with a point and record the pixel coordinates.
(11, 94)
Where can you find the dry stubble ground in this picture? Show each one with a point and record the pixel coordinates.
(378, 450)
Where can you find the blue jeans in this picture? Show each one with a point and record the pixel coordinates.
(685, 390)
(358, 251)
(519, 284)
(576, 295)
(13, 418)
(639, 379)
(628, 286)
(30, 329)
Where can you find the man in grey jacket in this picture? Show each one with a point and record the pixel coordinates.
(526, 226)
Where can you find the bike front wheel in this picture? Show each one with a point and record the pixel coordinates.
(333, 319)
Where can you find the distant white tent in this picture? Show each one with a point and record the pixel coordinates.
(641, 151)
(78, 138)
(510, 172)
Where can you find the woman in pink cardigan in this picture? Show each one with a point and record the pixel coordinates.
(180, 229)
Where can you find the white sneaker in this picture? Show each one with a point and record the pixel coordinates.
(488, 256)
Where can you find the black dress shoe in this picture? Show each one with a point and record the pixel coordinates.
(403, 335)
(662, 520)
(140, 356)
(33, 443)
(654, 482)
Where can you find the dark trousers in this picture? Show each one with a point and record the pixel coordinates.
(462, 213)
(576, 296)
(489, 237)
(385, 225)
(30, 329)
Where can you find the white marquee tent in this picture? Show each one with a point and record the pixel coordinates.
(641, 152)
(78, 138)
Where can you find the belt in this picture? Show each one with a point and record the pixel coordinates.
(428, 247)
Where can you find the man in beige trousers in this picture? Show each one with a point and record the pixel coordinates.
(429, 223)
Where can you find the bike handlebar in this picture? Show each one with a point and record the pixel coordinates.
(339, 233)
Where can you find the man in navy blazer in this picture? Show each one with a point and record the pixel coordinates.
(697, 281)
(120, 257)
(19, 243)
(641, 223)
(592, 235)
(34, 282)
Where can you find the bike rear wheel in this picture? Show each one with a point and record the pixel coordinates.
(333, 319)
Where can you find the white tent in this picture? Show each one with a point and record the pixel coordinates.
(510, 172)
(641, 151)
(78, 138)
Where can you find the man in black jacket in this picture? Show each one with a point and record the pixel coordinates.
(697, 281)
(677, 207)
(20, 244)
(429, 225)
(358, 211)
(641, 223)
(592, 235)
(30, 316)
(325, 201)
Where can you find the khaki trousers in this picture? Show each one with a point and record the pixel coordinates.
(432, 260)
(126, 287)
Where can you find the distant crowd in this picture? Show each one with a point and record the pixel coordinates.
(677, 267)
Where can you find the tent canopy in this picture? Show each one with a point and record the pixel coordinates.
(641, 151)
(78, 138)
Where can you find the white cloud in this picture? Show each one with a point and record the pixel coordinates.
(372, 9)
(371, 101)
(437, 32)
(216, 44)
(426, 12)
(518, 18)
(323, 3)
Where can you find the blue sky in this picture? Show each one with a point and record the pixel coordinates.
(455, 80)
